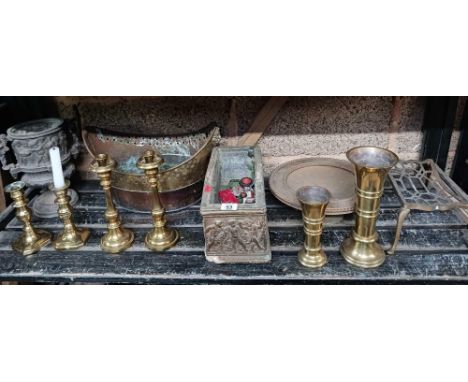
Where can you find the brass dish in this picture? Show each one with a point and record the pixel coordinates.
(181, 178)
(337, 176)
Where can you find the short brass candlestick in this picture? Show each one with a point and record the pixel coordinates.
(160, 237)
(117, 238)
(31, 240)
(314, 201)
(371, 167)
(71, 237)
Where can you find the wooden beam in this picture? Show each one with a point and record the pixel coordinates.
(262, 121)
(232, 126)
(394, 126)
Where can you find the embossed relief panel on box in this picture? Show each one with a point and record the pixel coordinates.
(235, 235)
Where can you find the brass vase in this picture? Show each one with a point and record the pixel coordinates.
(371, 167)
(314, 201)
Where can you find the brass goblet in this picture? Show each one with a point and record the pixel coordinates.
(160, 237)
(371, 167)
(117, 238)
(71, 237)
(32, 239)
(314, 201)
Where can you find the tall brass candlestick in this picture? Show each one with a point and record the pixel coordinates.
(314, 201)
(160, 237)
(71, 237)
(32, 239)
(117, 238)
(371, 166)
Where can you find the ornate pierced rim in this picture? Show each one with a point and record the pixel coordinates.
(180, 176)
(210, 132)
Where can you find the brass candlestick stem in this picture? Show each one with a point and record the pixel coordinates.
(71, 237)
(31, 240)
(117, 238)
(371, 167)
(314, 201)
(160, 237)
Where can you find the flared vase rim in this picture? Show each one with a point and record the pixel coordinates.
(323, 197)
(375, 148)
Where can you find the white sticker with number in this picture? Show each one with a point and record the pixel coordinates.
(229, 206)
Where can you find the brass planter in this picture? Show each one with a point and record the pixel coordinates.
(181, 182)
(371, 167)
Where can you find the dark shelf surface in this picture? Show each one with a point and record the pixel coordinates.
(433, 249)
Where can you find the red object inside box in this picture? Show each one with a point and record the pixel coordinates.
(227, 196)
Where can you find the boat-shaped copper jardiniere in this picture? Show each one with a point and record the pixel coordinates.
(186, 159)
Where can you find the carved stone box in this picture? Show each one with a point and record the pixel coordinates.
(235, 233)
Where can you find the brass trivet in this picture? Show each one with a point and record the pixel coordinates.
(424, 186)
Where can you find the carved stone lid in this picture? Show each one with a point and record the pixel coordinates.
(35, 128)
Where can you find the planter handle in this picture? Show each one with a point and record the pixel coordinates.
(76, 146)
(3, 150)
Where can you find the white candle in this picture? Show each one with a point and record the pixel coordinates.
(57, 172)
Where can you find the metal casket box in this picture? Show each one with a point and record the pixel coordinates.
(241, 235)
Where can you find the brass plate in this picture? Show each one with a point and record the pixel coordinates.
(335, 175)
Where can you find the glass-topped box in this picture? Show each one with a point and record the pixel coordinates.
(233, 207)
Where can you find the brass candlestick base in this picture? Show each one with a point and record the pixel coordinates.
(160, 237)
(371, 167)
(314, 201)
(31, 240)
(71, 237)
(117, 238)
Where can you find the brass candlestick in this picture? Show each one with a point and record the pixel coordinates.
(160, 237)
(371, 166)
(314, 201)
(117, 238)
(31, 240)
(71, 237)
